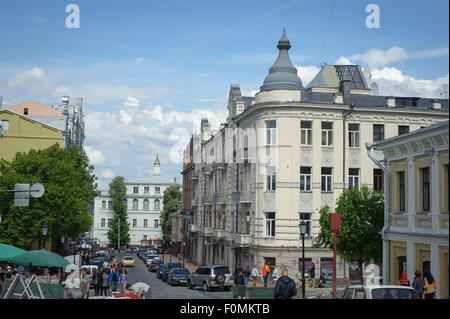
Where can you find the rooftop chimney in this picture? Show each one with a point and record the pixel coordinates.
(344, 88)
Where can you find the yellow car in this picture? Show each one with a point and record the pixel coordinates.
(128, 261)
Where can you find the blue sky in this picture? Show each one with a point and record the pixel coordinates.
(178, 58)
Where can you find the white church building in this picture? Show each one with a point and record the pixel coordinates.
(144, 206)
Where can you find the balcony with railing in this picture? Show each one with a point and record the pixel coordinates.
(194, 228)
(242, 197)
(242, 240)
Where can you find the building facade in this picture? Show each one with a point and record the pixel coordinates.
(19, 133)
(144, 206)
(283, 155)
(416, 216)
(67, 118)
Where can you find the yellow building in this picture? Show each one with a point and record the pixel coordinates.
(415, 235)
(19, 133)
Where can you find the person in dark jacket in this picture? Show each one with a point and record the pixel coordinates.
(418, 283)
(98, 282)
(239, 281)
(285, 287)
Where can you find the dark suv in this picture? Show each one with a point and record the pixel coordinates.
(211, 277)
(168, 267)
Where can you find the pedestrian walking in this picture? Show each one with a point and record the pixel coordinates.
(274, 274)
(265, 273)
(73, 286)
(114, 279)
(85, 282)
(430, 286)
(239, 282)
(98, 282)
(105, 283)
(247, 274)
(285, 286)
(312, 275)
(254, 275)
(404, 280)
(123, 280)
(418, 283)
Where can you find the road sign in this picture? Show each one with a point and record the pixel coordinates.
(37, 190)
(21, 194)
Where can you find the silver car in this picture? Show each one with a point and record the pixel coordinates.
(209, 277)
(379, 292)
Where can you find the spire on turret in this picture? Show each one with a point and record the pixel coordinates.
(283, 74)
(156, 167)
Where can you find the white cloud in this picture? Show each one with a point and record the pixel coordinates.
(379, 58)
(107, 173)
(95, 156)
(131, 102)
(36, 18)
(307, 73)
(102, 185)
(392, 81)
(140, 60)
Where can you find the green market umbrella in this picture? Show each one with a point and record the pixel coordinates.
(8, 251)
(42, 258)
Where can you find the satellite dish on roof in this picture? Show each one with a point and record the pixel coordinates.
(368, 76)
(374, 88)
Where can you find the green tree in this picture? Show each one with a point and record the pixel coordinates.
(362, 219)
(171, 202)
(118, 192)
(69, 190)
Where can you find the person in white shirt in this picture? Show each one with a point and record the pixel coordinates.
(254, 275)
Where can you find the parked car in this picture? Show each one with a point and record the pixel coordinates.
(154, 265)
(159, 251)
(211, 277)
(178, 276)
(141, 253)
(149, 259)
(167, 268)
(160, 271)
(128, 261)
(379, 292)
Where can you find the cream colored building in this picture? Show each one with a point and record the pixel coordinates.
(283, 155)
(416, 232)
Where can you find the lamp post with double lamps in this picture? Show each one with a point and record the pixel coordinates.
(303, 230)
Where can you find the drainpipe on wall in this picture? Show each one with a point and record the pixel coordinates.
(344, 117)
(386, 214)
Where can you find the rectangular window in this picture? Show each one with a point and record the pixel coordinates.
(426, 188)
(156, 225)
(271, 182)
(403, 129)
(401, 191)
(135, 190)
(270, 224)
(327, 133)
(25, 111)
(353, 135)
(103, 204)
(271, 132)
(145, 237)
(378, 132)
(306, 133)
(157, 190)
(353, 177)
(145, 223)
(306, 217)
(305, 178)
(134, 222)
(103, 222)
(327, 178)
(109, 204)
(378, 180)
(146, 190)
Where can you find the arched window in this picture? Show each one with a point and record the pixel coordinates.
(135, 204)
(156, 204)
(146, 204)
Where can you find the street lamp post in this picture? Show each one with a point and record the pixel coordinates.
(44, 232)
(62, 243)
(303, 230)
